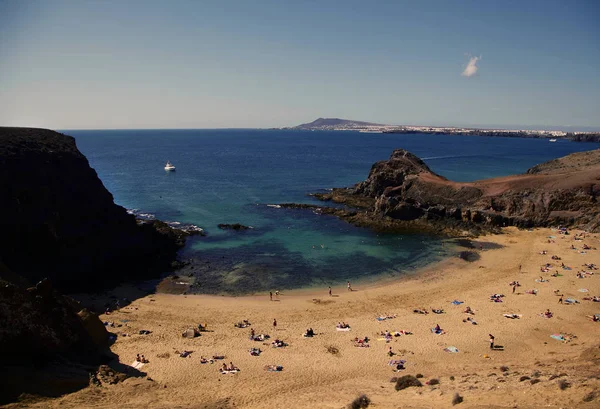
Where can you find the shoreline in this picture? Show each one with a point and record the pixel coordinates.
(314, 377)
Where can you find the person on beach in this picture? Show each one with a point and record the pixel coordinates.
(271, 295)
(349, 286)
(560, 300)
(330, 291)
(491, 341)
(274, 323)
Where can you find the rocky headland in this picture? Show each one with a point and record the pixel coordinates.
(402, 193)
(61, 226)
(61, 223)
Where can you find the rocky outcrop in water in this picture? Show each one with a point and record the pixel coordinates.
(59, 221)
(403, 193)
(234, 226)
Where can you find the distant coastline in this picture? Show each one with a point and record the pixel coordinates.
(336, 124)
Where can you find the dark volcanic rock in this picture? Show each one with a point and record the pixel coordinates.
(60, 222)
(403, 192)
(41, 337)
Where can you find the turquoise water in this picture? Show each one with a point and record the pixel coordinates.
(229, 176)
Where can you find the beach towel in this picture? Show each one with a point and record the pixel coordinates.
(229, 372)
(558, 337)
(395, 362)
(137, 365)
(440, 332)
(583, 290)
(342, 329)
(451, 349)
(571, 301)
(541, 281)
(456, 302)
(567, 268)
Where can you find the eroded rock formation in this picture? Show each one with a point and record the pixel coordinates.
(403, 192)
(59, 221)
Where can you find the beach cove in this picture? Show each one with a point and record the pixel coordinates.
(329, 371)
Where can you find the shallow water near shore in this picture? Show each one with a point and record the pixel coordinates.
(230, 176)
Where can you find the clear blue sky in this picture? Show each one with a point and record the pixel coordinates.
(206, 64)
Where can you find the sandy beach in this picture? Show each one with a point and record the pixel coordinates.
(329, 371)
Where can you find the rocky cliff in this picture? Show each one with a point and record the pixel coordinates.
(48, 343)
(60, 222)
(403, 192)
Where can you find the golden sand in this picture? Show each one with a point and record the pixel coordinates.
(313, 377)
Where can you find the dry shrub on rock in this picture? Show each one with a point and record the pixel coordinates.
(407, 381)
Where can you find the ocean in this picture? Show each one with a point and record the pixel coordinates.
(232, 175)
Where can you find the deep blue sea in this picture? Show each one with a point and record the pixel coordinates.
(229, 176)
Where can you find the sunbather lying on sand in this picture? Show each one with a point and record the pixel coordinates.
(437, 310)
(420, 311)
(184, 354)
(361, 343)
(254, 351)
(385, 317)
(274, 368)
(471, 320)
(534, 292)
(512, 316)
(278, 344)
(468, 310)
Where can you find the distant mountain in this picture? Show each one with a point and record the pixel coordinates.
(335, 123)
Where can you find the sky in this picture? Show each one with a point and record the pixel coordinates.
(119, 64)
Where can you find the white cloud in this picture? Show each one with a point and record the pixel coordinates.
(471, 68)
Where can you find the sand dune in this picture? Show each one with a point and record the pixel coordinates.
(314, 377)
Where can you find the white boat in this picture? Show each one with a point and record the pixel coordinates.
(552, 140)
(169, 166)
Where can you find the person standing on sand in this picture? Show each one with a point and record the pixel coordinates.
(274, 323)
(330, 291)
(491, 341)
(349, 286)
(271, 295)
